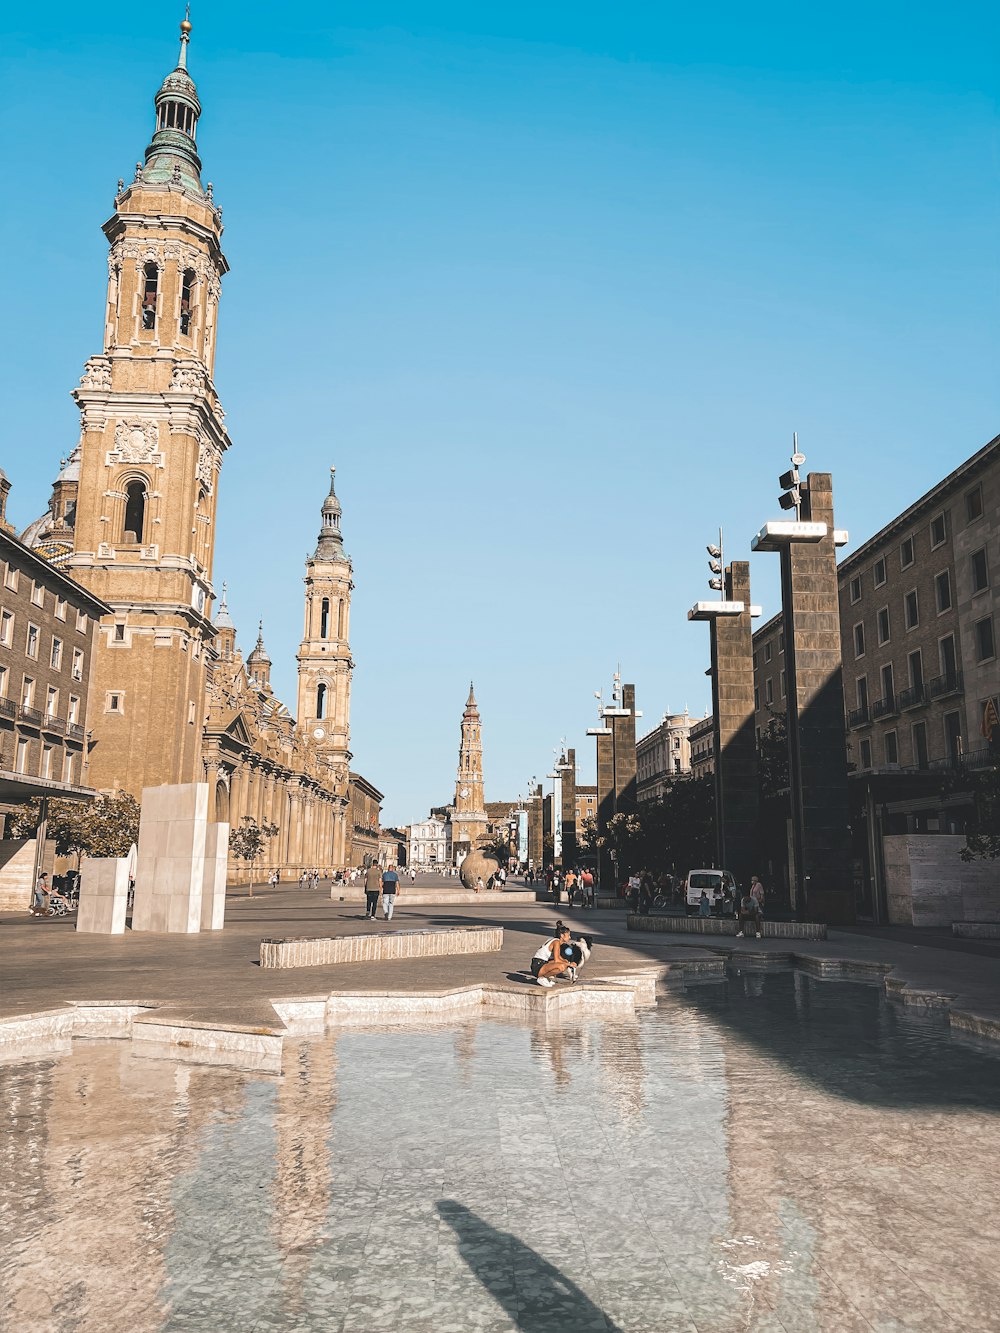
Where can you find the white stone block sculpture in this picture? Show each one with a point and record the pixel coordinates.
(170, 872)
(103, 895)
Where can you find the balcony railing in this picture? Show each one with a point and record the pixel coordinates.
(950, 683)
(913, 697)
(859, 717)
(74, 731)
(29, 715)
(8, 708)
(886, 707)
(54, 724)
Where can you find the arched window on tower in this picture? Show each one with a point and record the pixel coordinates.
(340, 619)
(151, 282)
(324, 618)
(135, 511)
(187, 294)
(321, 701)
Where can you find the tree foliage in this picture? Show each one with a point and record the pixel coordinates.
(250, 840)
(673, 833)
(107, 826)
(772, 757)
(982, 830)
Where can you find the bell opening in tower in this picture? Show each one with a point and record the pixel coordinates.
(151, 282)
(135, 511)
(187, 288)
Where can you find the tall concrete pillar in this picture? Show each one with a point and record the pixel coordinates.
(567, 769)
(616, 774)
(737, 792)
(535, 833)
(822, 884)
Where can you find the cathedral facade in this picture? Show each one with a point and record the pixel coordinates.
(133, 518)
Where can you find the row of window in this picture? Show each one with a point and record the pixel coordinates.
(983, 637)
(918, 740)
(11, 580)
(768, 650)
(46, 769)
(32, 645)
(28, 696)
(151, 292)
(938, 529)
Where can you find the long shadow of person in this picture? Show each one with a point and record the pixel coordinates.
(536, 1296)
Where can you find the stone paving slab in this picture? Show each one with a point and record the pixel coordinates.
(215, 979)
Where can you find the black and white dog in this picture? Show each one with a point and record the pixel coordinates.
(576, 952)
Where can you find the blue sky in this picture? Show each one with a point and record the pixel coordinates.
(552, 285)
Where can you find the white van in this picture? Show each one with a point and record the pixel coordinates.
(714, 882)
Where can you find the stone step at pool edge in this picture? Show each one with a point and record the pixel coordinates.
(385, 946)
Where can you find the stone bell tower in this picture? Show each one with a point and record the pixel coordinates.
(151, 446)
(469, 819)
(324, 656)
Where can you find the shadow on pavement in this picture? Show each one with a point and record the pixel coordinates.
(537, 1297)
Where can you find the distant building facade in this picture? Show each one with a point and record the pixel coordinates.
(662, 756)
(702, 742)
(429, 843)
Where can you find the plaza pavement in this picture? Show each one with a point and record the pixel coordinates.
(214, 979)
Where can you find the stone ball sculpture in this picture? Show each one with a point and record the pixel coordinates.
(478, 865)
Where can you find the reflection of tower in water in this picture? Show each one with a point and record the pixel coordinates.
(303, 1182)
(623, 1073)
(95, 1211)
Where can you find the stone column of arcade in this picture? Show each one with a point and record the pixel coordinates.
(737, 795)
(821, 879)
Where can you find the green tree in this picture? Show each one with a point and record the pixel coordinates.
(982, 830)
(107, 826)
(772, 757)
(250, 841)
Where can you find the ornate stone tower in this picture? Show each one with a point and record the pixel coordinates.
(324, 656)
(469, 820)
(151, 447)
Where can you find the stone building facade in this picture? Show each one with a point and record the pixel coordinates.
(133, 518)
(429, 843)
(701, 737)
(47, 629)
(662, 756)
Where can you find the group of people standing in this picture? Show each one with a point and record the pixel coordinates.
(578, 884)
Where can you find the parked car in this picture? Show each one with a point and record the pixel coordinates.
(718, 884)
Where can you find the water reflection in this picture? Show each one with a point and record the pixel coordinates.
(777, 1153)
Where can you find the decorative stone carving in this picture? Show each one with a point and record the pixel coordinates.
(96, 373)
(188, 379)
(136, 441)
(207, 464)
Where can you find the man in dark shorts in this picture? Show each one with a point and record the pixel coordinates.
(390, 887)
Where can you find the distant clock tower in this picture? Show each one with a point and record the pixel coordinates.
(469, 822)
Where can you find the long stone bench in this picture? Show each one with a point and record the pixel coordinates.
(710, 925)
(976, 930)
(376, 948)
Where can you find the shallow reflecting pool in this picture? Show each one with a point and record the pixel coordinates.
(776, 1153)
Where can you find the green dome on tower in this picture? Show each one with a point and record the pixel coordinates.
(172, 156)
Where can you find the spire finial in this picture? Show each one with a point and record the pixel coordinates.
(260, 634)
(185, 38)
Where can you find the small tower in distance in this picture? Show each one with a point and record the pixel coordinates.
(324, 656)
(469, 821)
(258, 663)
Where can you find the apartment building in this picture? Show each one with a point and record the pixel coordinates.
(663, 755)
(702, 741)
(919, 618)
(47, 630)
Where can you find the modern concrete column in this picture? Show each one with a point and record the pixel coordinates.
(536, 848)
(170, 868)
(737, 792)
(569, 832)
(616, 774)
(821, 879)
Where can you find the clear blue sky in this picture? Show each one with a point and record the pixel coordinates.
(552, 285)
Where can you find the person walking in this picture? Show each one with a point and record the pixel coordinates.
(587, 885)
(390, 887)
(757, 894)
(704, 906)
(373, 887)
(40, 901)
